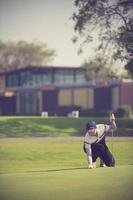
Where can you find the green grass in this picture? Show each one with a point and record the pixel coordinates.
(76, 184)
(55, 126)
(37, 154)
(55, 168)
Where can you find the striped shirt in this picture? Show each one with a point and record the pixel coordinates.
(100, 133)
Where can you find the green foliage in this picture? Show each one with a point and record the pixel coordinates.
(96, 68)
(56, 126)
(124, 111)
(129, 67)
(22, 53)
(94, 113)
(99, 68)
(110, 21)
(41, 127)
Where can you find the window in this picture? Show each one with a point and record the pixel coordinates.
(25, 78)
(64, 76)
(28, 102)
(41, 78)
(80, 77)
(12, 80)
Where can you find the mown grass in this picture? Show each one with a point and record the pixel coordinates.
(55, 168)
(76, 184)
(55, 126)
(22, 155)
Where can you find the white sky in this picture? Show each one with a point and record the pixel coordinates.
(44, 20)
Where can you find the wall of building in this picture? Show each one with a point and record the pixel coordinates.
(40, 101)
(126, 93)
(102, 98)
(115, 97)
(50, 101)
(7, 105)
(82, 97)
(65, 99)
(2, 82)
(89, 97)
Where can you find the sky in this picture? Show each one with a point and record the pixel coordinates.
(46, 21)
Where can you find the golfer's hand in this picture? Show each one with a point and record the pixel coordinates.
(111, 117)
(112, 121)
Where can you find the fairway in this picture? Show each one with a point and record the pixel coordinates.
(48, 169)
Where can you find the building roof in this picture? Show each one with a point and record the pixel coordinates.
(37, 68)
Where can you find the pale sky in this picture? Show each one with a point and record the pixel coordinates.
(44, 20)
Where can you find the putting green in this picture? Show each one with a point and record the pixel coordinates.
(69, 183)
(49, 169)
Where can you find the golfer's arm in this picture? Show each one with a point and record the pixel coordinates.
(112, 121)
(113, 124)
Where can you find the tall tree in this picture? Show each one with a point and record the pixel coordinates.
(98, 69)
(19, 54)
(111, 20)
(129, 67)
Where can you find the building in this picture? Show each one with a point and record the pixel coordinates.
(33, 89)
(58, 91)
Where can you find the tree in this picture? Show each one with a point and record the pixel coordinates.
(111, 20)
(98, 69)
(19, 54)
(129, 67)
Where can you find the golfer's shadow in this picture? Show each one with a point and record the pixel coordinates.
(56, 170)
(65, 169)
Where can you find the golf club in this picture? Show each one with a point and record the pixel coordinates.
(111, 118)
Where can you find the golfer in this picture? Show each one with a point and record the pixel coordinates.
(95, 145)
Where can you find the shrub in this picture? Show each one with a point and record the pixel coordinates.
(94, 113)
(124, 111)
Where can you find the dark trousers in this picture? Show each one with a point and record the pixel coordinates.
(101, 150)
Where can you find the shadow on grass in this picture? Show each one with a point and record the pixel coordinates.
(66, 169)
(56, 170)
(34, 126)
(57, 126)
